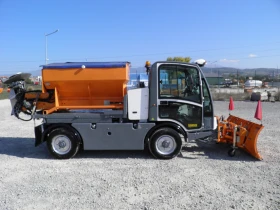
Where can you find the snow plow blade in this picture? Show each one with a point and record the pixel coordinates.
(240, 133)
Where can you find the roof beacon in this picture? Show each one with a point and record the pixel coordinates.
(200, 62)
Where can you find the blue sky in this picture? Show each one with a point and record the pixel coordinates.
(233, 33)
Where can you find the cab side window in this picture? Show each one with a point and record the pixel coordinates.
(207, 105)
(177, 81)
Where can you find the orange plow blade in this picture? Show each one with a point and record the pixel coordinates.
(240, 133)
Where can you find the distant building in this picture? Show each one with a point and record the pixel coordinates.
(253, 83)
(36, 80)
(214, 79)
(136, 78)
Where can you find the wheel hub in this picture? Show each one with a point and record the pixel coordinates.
(61, 144)
(165, 145)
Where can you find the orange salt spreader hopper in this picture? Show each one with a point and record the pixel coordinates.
(80, 85)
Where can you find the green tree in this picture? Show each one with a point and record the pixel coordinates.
(179, 59)
(242, 79)
(232, 76)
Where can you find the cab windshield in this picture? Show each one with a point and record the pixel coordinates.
(179, 82)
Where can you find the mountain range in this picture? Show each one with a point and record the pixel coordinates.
(215, 70)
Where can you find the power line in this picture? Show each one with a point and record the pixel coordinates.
(140, 55)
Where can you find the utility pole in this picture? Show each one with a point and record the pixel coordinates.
(46, 43)
(278, 81)
(237, 79)
(218, 78)
(273, 79)
(255, 78)
(219, 83)
(277, 77)
(212, 66)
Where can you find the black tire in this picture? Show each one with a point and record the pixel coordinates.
(68, 140)
(231, 152)
(165, 143)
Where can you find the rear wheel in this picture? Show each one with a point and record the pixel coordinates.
(165, 143)
(63, 143)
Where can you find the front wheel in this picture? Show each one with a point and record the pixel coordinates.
(165, 143)
(63, 143)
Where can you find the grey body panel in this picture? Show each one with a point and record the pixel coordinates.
(199, 135)
(125, 106)
(113, 136)
(153, 88)
(208, 123)
(82, 117)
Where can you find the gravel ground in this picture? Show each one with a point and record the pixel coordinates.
(203, 177)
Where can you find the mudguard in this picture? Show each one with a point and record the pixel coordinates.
(241, 133)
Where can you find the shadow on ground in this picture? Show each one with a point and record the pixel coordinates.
(212, 150)
(114, 154)
(24, 148)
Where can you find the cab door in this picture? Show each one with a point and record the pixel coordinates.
(208, 112)
(179, 95)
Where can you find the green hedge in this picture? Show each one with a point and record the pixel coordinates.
(5, 94)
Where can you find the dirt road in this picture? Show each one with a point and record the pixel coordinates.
(203, 177)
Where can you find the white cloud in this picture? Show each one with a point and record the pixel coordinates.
(229, 61)
(252, 56)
